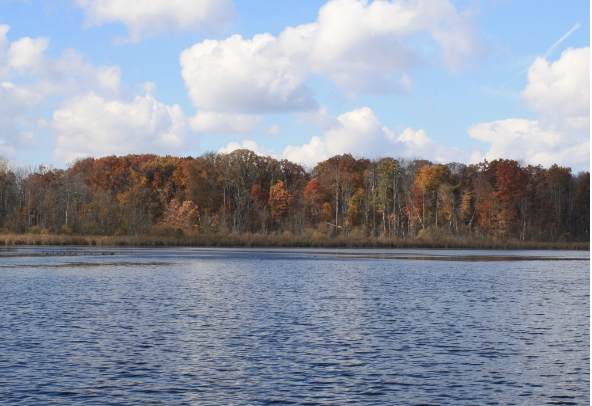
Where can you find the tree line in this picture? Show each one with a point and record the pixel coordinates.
(242, 192)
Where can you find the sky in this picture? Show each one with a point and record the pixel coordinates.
(444, 80)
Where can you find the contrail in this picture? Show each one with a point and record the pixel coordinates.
(549, 51)
(567, 34)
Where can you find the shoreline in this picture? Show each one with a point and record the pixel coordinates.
(262, 241)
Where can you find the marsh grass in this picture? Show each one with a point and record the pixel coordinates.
(249, 240)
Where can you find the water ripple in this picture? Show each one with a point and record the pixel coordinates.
(265, 328)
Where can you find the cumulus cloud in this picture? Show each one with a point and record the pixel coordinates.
(28, 77)
(150, 18)
(26, 54)
(359, 132)
(93, 125)
(308, 154)
(244, 76)
(363, 47)
(560, 93)
(521, 139)
(93, 120)
(25, 60)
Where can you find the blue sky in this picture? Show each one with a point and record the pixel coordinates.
(439, 79)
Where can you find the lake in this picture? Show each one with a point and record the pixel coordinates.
(102, 326)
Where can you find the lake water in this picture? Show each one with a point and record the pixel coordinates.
(326, 327)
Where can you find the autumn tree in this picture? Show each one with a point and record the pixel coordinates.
(339, 176)
(369, 177)
(581, 212)
(280, 201)
(260, 198)
(428, 181)
(241, 169)
(204, 187)
(314, 194)
(182, 215)
(511, 182)
(9, 195)
(386, 172)
(411, 216)
(244, 192)
(559, 182)
(142, 208)
(159, 173)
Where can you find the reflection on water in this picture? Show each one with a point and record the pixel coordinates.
(197, 326)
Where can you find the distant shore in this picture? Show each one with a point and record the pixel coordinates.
(203, 240)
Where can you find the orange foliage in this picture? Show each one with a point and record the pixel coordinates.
(130, 194)
(185, 216)
(280, 200)
(429, 178)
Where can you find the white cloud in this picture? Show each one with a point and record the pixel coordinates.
(25, 59)
(150, 18)
(560, 93)
(309, 154)
(29, 78)
(247, 144)
(527, 140)
(92, 125)
(244, 76)
(224, 123)
(360, 133)
(365, 47)
(92, 121)
(26, 54)
(361, 46)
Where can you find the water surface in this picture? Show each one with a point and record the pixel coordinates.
(263, 326)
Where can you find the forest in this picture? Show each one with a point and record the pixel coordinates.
(244, 194)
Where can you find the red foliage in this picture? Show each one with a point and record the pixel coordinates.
(511, 180)
(259, 196)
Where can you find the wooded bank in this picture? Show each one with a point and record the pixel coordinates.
(242, 199)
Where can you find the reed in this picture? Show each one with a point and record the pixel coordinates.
(217, 240)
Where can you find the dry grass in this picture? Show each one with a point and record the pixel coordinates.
(203, 240)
